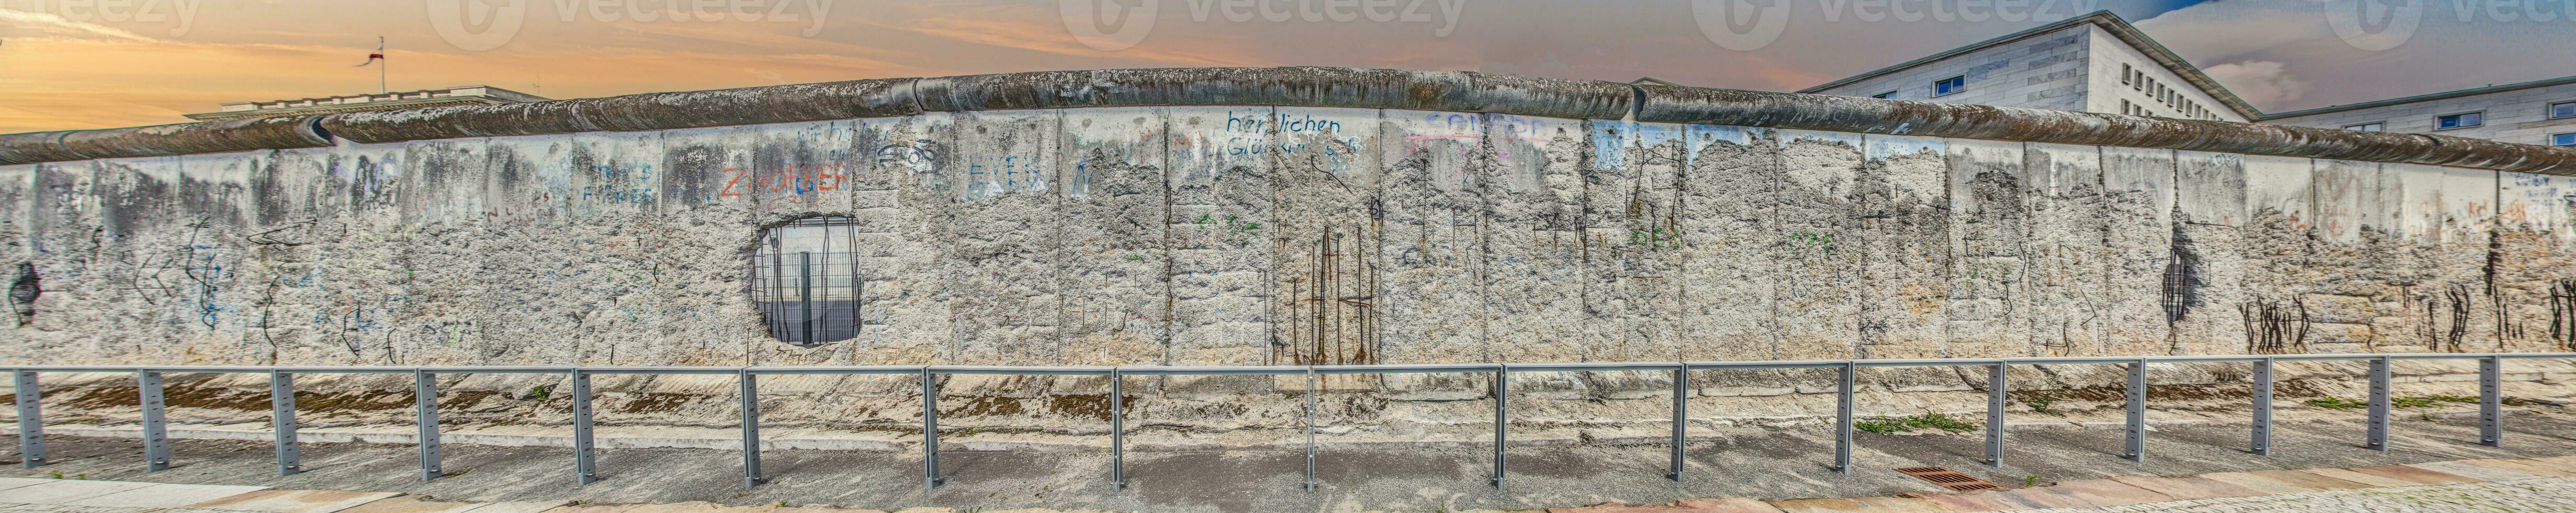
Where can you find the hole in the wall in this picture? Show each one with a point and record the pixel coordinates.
(806, 280)
(22, 293)
(2181, 284)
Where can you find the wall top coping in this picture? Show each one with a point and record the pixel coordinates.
(1459, 91)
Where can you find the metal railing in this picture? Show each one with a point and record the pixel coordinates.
(281, 389)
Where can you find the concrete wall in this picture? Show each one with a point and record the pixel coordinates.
(2518, 116)
(2045, 71)
(1277, 235)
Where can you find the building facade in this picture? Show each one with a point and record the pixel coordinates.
(2539, 112)
(2091, 63)
(2100, 63)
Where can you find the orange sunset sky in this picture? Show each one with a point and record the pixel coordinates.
(68, 64)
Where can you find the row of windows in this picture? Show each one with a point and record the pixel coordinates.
(2560, 110)
(1939, 87)
(2138, 80)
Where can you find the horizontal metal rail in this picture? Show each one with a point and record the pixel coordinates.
(148, 380)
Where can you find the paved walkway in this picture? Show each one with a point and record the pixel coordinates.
(2544, 494)
(2536, 484)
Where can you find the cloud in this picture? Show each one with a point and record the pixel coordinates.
(2265, 84)
(57, 24)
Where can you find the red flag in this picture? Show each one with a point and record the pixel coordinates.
(373, 57)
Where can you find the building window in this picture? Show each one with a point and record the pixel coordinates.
(2461, 120)
(2128, 74)
(2562, 110)
(805, 278)
(2368, 127)
(1885, 95)
(1949, 85)
(2128, 108)
(2566, 139)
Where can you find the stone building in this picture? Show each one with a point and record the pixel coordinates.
(2091, 63)
(2537, 112)
(2072, 65)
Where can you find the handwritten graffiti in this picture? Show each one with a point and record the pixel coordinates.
(1655, 238)
(921, 155)
(1810, 240)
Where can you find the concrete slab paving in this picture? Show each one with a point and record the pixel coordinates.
(2108, 492)
(2184, 488)
(1981, 501)
(2045, 498)
(2523, 466)
(20, 482)
(1877, 504)
(1728, 505)
(2419, 475)
(62, 491)
(415, 504)
(164, 495)
(2472, 471)
(698, 507)
(2366, 480)
(295, 501)
(515, 507)
(2263, 485)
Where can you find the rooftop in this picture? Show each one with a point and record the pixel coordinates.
(460, 95)
(2112, 23)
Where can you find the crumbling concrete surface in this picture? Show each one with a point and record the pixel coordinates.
(1110, 229)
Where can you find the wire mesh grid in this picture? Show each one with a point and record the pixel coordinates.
(805, 278)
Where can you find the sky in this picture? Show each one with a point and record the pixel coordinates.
(71, 64)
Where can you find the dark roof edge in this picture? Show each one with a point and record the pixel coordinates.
(2546, 82)
(1300, 86)
(2119, 28)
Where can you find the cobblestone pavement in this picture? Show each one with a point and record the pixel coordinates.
(2543, 494)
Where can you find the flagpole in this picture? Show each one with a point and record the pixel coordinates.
(380, 68)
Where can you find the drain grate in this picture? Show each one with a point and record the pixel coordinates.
(1951, 479)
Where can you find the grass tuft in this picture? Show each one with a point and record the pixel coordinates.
(2336, 403)
(1894, 425)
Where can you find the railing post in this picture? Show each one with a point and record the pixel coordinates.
(1117, 430)
(1995, 387)
(31, 420)
(2491, 401)
(1310, 429)
(1681, 417)
(2137, 439)
(2263, 406)
(1843, 418)
(424, 402)
(156, 432)
(2379, 404)
(750, 430)
(585, 469)
(1502, 410)
(281, 421)
(930, 430)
